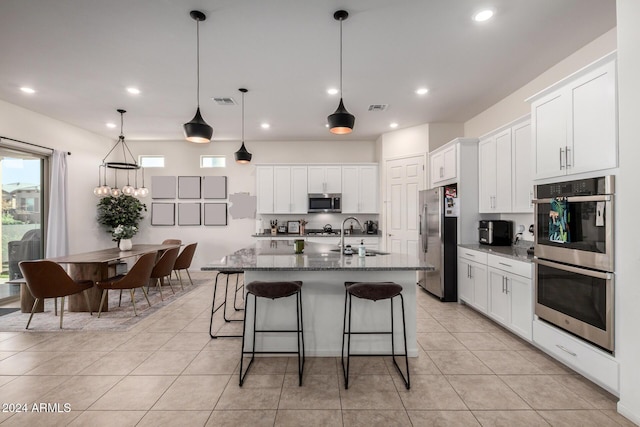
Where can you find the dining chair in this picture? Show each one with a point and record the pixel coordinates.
(163, 268)
(47, 279)
(183, 262)
(137, 277)
(172, 242)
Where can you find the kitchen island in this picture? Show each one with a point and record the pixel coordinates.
(324, 270)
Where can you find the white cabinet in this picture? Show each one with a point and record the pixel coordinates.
(574, 122)
(472, 278)
(360, 189)
(264, 189)
(505, 183)
(281, 189)
(511, 294)
(442, 165)
(521, 177)
(495, 172)
(324, 179)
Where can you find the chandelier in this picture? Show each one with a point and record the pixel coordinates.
(128, 163)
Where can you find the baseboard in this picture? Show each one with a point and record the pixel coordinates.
(629, 413)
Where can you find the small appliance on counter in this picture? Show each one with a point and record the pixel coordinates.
(371, 227)
(495, 232)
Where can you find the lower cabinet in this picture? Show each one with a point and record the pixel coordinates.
(472, 279)
(499, 287)
(510, 301)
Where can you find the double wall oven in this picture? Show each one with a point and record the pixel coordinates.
(574, 262)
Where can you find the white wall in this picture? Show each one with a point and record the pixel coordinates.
(441, 133)
(183, 158)
(87, 151)
(628, 206)
(514, 105)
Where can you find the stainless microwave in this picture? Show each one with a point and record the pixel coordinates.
(322, 202)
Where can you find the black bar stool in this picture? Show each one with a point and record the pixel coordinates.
(274, 290)
(226, 273)
(373, 291)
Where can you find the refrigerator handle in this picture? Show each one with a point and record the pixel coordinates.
(424, 234)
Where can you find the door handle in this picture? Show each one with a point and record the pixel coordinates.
(561, 156)
(441, 171)
(506, 285)
(503, 284)
(470, 275)
(568, 157)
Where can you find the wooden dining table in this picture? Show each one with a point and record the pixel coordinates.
(100, 265)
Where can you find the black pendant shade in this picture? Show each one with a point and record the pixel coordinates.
(341, 122)
(197, 130)
(242, 155)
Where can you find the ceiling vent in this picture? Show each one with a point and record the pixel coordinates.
(224, 101)
(378, 107)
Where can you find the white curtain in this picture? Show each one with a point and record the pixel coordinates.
(57, 230)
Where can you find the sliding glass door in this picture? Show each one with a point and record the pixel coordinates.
(21, 176)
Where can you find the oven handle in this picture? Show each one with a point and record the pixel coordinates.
(577, 270)
(574, 199)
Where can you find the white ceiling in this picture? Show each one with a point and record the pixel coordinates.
(80, 55)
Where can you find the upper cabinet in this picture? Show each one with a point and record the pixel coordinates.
(442, 165)
(360, 189)
(324, 179)
(281, 189)
(505, 183)
(575, 123)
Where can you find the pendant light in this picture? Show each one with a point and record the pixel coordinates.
(197, 130)
(341, 122)
(242, 155)
(128, 163)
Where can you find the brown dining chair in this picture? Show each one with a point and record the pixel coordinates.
(163, 268)
(172, 242)
(137, 277)
(47, 279)
(183, 262)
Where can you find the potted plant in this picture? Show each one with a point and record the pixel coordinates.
(123, 211)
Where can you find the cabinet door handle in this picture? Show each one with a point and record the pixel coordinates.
(530, 199)
(468, 254)
(568, 157)
(470, 272)
(503, 284)
(506, 265)
(566, 350)
(441, 171)
(561, 156)
(506, 285)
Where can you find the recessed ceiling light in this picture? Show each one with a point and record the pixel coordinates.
(393, 125)
(332, 91)
(422, 91)
(483, 15)
(27, 89)
(265, 125)
(326, 125)
(111, 125)
(133, 90)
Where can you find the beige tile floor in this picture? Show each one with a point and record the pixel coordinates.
(166, 371)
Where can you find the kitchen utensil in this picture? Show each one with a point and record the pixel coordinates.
(327, 228)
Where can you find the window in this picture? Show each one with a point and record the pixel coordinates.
(213, 161)
(22, 177)
(151, 161)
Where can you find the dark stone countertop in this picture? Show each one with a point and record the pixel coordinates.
(278, 255)
(516, 252)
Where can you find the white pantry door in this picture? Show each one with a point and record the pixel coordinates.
(405, 178)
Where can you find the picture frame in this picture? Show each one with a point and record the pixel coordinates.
(214, 187)
(163, 214)
(189, 214)
(163, 187)
(215, 214)
(293, 227)
(188, 187)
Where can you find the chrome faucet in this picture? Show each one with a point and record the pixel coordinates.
(342, 230)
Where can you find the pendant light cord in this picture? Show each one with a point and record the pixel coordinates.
(341, 57)
(243, 117)
(198, 62)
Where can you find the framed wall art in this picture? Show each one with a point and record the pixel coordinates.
(215, 214)
(214, 187)
(188, 187)
(163, 187)
(163, 214)
(189, 214)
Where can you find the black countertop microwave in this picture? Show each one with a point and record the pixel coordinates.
(323, 202)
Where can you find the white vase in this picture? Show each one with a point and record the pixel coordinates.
(125, 244)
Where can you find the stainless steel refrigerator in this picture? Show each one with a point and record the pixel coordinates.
(438, 216)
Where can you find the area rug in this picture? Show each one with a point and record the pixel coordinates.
(116, 319)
